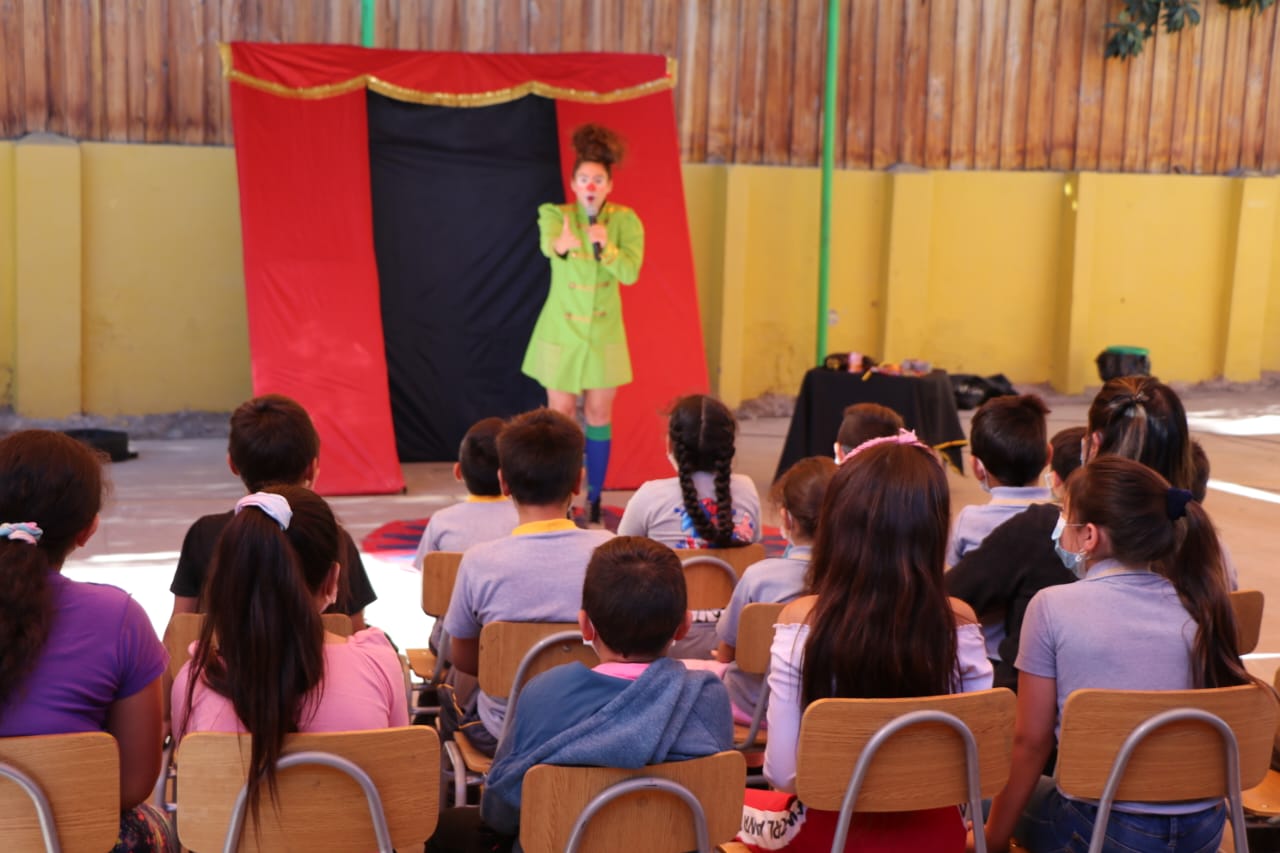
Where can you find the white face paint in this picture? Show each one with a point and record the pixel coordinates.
(592, 185)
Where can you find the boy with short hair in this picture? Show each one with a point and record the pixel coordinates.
(272, 441)
(533, 575)
(863, 422)
(486, 513)
(637, 707)
(1009, 449)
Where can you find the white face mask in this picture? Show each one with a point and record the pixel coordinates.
(1073, 560)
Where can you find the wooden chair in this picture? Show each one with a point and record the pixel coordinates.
(739, 558)
(439, 574)
(339, 791)
(752, 654)
(511, 653)
(1263, 799)
(1165, 745)
(601, 808)
(1247, 604)
(709, 580)
(889, 755)
(60, 792)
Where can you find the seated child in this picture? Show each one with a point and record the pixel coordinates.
(798, 495)
(486, 513)
(863, 422)
(636, 707)
(1064, 457)
(533, 575)
(272, 441)
(705, 505)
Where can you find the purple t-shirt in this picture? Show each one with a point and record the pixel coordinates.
(101, 648)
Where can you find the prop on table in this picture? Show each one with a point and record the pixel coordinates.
(848, 362)
(972, 391)
(856, 362)
(1123, 361)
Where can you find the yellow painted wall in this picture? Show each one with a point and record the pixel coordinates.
(977, 272)
(164, 303)
(8, 269)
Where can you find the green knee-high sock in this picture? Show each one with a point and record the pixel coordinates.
(599, 440)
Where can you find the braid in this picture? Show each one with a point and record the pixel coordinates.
(724, 504)
(686, 464)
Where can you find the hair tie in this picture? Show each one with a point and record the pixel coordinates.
(1175, 503)
(276, 506)
(21, 531)
(904, 436)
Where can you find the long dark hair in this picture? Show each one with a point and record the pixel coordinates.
(56, 482)
(702, 430)
(262, 644)
(882, 626)
(1134, 504)
(1141, 418)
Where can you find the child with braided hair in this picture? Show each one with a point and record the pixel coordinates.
(705, 505)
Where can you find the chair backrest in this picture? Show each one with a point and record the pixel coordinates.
(320, 808)
(338, 623)
(439, 573)
(1174, 762)
(504, 645)
(739, 558)
(78, 775)
(755, 636)
(554, 797)
(183, 630)
(709, 581)
(1247, 604)
(834, 732)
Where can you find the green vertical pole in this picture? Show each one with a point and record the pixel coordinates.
(828, 158)
(368, 18)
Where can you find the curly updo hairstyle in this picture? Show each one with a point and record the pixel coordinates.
(595, 143)
(701, 431)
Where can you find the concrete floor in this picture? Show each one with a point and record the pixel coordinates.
(156, 496)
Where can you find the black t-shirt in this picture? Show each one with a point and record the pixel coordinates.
(354, 590)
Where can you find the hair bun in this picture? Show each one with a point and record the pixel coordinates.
(595, 143)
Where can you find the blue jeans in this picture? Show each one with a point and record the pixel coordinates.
(1054, 824)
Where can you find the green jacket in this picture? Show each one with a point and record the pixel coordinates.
(579, 340)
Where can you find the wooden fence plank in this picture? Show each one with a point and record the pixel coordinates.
(664, 35)
(942, 62)
(915, 84)
(97, 105)
(1159, 118)
(1235, 73)
(76, 80)
(573, 27)
(113, 43)
(186, 67)
(806, 106)
(1186, 97)
(965, 92)
(635, 20)
(858, 82)
(1068, 51)
(544, 26)
(446, 26)
(887, 106)
(1092, 73)
(1261, 43)
(990, 86)
(1040, 85)
(1137, 111)
(779, 66)
(1213, 28)
(35, 75)
(1271, 137)
(722, 81)
(1115, 95)
(13, 116)
(749, 103)
(695, 39)
(56, 58)
(155, 38)
(1017, 82)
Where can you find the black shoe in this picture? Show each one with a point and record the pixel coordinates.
(593, 511)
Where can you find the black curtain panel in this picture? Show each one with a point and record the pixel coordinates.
(455, 199)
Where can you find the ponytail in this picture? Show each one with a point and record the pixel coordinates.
(262, 642)
(51, 481)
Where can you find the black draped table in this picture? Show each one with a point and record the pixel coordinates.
(927, 405)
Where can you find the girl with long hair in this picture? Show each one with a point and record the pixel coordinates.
(264, 663)
(74, 657)
(1150, 612)
(705, 505)
(579, 343)
(880, 625)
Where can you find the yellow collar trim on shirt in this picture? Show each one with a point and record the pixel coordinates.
(486, 499)
(551, 525)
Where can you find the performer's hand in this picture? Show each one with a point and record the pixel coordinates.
(598, 234)
(567, 239)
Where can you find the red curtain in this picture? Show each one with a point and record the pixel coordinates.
(315, 331)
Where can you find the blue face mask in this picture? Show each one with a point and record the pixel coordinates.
(1074, 561)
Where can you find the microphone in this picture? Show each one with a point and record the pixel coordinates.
(595, 247)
